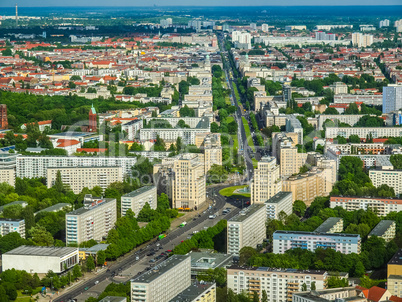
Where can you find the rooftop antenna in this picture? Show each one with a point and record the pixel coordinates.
(16, 14)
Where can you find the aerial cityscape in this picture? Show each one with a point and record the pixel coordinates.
(180, 151)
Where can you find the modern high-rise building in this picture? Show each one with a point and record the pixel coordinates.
(93, 221)
(344, 243)
(362, 40)
(164, 281)
(264, 28)
(77, 178)
(392, 178)
(266, 181)
(246, 228)
(93, 123)
(253, 26)
(278, 284)
(384, 23)
(322, 36)
(212, 151)
(391, 98)
(3, 116)
(280, 202)
(136, 200)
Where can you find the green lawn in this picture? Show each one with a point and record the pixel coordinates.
(248, 133)
(255, 163)
(235, 141)
(236, 92)
(230, 191)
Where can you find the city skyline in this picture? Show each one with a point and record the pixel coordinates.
(193, 3)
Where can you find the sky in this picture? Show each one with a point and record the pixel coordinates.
(50, 3)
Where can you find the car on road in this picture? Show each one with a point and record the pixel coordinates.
(96, 282)
(212, 216)
(137, 258)
(86, 288)
(152, 261)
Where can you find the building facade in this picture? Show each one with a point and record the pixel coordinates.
(385, 229)
(391, 98)
(197, 292)
(246, 228)
(266, 181)
(392, 178)
(280, 202)
(93, 221)
(135, 200)
(85, 177)
(382, 206)
(279, 284)
(12, 225)
(163, 282)
(344, 243)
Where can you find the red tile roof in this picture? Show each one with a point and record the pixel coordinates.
(375, 293)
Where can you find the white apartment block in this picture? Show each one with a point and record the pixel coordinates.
(350, 119)
(136, 200)
(212, 151)
(280, 202)
(8, 226)
(187, 135)
(344, 243)
(375, 99)
(279, 284)
(339, 88)
(331, 225)
(362, 40)
(331, 294)
(7, 176)
(36, 166)
(78, 178)
(294, 125)
(392, 178)
(93, 221)
(385, 229)
(362, 132)
(164, 281)
(383, 206)
(391, 98)
(266, 181)
(246, 228)
(264, 27)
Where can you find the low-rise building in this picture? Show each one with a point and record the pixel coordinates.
(280, 202)
(331, 294)
(331, 225)
(85, 252)
(163, 282)
(197, 292)
(246, 228)
(344, 243)
(279, 284)
(385, 229)
(12, 225)
(136, 200)
(203, 261)
(383, 206)
(40, 259)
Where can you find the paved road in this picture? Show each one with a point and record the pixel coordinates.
(128, 262)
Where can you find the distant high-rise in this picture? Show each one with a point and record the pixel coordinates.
(384, 23)
(3, 116)
(16, 14)
(264, 28)
(92, 120)
(360, 40)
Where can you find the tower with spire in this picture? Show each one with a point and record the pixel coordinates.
(93, 124)
(16, 14)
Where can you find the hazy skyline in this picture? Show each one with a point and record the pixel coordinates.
(51, 3)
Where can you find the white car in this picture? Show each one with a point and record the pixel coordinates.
(212, 216)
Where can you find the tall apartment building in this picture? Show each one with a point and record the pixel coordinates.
(78, 178)
(246, 228)
(280, 202)
(36, 166)
(362, 40)
(212, 151)
(331, 225)
(362, 132)
(294, 125)
(383, 206)
(344, 243)
(329, 169)
(136, 200)
(164, 281)
(392, 178)
(391, 98)
(307, 186)
(384, 23)
(264, 27)
(8, 226)
(279, 284)
(198, 292)
(323, 36)
(93, 221)
(385, 229)
(189, 182)
(394, 274)
(266, 181)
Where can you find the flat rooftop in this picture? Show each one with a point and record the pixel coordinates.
(84, 210)
(96, 248)
(192, 292)
(317, 234)
(139, 191)
(279, 197)
(381, 228)
(47, 251)
(246, 213)
(55, 208)
(160, 269)
(328, 224)
(277, 270)
(205, 260)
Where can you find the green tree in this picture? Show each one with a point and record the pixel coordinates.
(3, 295)
(40, 236)
(313, 287)
(90, 263)
(77, 271)
(58, 184)
(304, 287)
(29, 217)
(100, 258)
(354, 139)
(245, 254)
(264, 297)
(299, 208)
(217, 174)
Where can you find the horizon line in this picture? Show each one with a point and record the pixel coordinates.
(178, 5)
